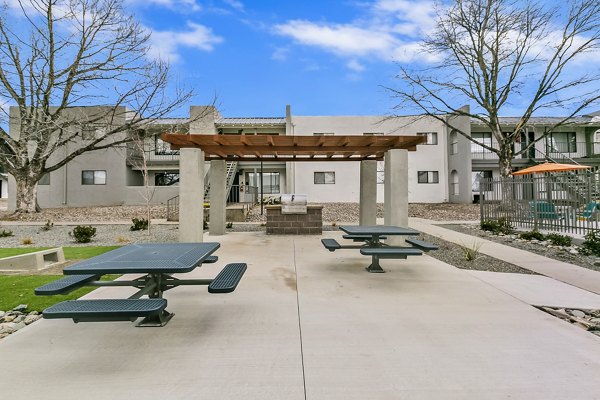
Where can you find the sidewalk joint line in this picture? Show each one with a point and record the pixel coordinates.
(299, 322)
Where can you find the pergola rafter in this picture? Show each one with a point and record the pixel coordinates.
(292, 148)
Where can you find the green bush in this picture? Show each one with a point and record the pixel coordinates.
(139, 224)
(5, 233)
(83, 234)
(501, 225)
(533, 235)
(591, 245)
(559, 240)
(48, 225)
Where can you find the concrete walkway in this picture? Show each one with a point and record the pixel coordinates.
(306, 323)
(568, 273)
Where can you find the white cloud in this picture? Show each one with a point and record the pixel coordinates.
(389, 30)
(355, 66)
(345, 40)
(238, 5)
(280, 54)
(183, 6)
(166, 44)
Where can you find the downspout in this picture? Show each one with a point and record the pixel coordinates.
(65, 177)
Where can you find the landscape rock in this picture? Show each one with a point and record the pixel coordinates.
(31, 318)
(9, 318)
(20, 308)
(577, 313)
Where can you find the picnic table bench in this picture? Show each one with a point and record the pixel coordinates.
(376, 249)
(157, 262)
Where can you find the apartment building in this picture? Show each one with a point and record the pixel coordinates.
(577, 142)
(445, 169)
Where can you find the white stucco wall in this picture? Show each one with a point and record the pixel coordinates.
(346, 187)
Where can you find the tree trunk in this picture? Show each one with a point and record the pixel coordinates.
(26, 194)
(505, 160)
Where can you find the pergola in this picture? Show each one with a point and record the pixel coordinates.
(293, 148)
(195, 149)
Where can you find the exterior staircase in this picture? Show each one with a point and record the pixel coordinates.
(173, 203)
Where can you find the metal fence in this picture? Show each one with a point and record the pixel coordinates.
(554, 202)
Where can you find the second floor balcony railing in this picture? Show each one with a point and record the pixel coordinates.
(153, 154)
(543, 150)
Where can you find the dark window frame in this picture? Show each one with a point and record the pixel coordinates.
(427, 135)
(435, 177)
(93, 171)
(324, 179)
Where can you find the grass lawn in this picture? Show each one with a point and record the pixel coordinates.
(71, 253)
(18, 289)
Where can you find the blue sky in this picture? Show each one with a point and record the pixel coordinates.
(322, 57)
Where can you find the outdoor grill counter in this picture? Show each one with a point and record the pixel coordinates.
(294, 216)
(293, 204)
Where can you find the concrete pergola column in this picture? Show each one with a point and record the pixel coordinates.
(368, 193)
(191, 195)
(396, 192)
(218, 186)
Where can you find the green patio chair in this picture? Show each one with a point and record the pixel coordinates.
(543, 210)
(589, 211)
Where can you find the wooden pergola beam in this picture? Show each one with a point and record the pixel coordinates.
(292, 148)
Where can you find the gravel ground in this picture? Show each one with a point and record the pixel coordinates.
(566, 254)
(120, 234)
(348, 212)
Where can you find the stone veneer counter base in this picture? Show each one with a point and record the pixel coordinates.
(310, 223)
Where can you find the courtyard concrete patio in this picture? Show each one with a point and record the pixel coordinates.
(308, 323)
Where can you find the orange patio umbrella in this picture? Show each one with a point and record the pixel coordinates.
(550, 167)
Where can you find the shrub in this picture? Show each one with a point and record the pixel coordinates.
(122, 239)
(229, 225)
(26, 240)
(139, 224)
(591, 245)
(502, 225)
(559, 240)
(5, 233)
(83, 234)
(471, 252)
(48, 225)
(533, 235)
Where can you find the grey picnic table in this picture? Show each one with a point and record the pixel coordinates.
(375, 248)
(156, 262)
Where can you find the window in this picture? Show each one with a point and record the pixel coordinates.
(482, 180)
(373, 134)
(453, 142)
(324, 178)
(93, 177)
(92, 131)
(455, 183)
(163, 148)
(270, 184)
(323, 134)
(563, 142)
(380, 172)
(482, 137)
(428, 177)
(166, 179)
(45, 179)
(432, 137)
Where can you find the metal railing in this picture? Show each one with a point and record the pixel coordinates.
(239, 194)
(557, 202)
(153, 154)
(543, 150)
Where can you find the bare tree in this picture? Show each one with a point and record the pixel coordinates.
(495, 54)
(57, 56)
